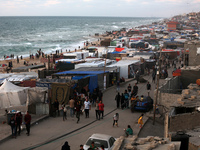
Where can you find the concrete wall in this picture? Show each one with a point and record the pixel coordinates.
(171, 86)
(167, 100)
(167, 94)
(194, 58)
(189, 76)
(42, 109)
(184, 121)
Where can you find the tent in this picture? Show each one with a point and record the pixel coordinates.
(12, 95)
(37, 95)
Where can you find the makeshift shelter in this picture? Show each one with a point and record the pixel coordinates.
(12, 95)
(37, 95)
(127, 67)
(37, 98)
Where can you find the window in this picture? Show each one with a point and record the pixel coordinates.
(111, 141)
(97, 142)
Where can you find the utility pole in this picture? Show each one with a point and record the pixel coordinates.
(105, 71)
(157, 86)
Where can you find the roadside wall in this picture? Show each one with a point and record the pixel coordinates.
(189, 76)
(168, 94)
(184, 121)
(194, 58)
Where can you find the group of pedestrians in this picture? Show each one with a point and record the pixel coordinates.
(81, 103)
(123, 99)
(16, 123)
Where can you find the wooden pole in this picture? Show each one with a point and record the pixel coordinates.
(157, 87)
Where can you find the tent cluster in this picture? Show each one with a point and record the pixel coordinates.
(12, 95)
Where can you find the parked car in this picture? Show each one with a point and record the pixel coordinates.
(100, 139)
(145, 104)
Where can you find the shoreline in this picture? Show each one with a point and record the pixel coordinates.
(93, 39)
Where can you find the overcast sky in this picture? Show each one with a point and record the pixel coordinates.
(118, 8)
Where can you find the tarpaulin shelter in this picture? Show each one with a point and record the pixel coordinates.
(95, 77)
(127, 67)
(37, 95)
(12, 95)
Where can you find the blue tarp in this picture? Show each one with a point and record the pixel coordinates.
(93, 82)
(78, 77)
(115, 52)
(80, 72)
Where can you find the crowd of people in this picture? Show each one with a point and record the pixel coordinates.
(80, 103)
(16, 123)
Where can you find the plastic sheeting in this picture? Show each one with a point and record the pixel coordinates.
(93, 83)
(37, 95)
(12, 95)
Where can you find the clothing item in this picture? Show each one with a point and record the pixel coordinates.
(87, 104)
(101, 106)
(71, 103)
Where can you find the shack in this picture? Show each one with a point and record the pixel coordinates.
(127, 67)
(91, 77)
(67, 64)
(95, 63)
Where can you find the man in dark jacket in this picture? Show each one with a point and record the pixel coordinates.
(27, 120)
(65, 146)
(12, 123)
(56, 107)
(18, 119)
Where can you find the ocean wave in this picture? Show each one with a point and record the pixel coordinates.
(116, 27)
(28, 43)
(69, 33)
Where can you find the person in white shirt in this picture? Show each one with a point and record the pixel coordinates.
(87, 107)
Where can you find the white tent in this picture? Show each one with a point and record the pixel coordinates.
(12, 95)
(125, 67)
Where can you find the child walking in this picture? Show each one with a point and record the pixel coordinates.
(115, 119)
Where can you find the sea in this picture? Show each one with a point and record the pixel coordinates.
(26, 35)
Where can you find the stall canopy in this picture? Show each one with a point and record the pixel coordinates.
(12, 95)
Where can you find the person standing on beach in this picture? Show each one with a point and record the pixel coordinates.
(87, 107)
(17, 59)
(27, 120)
(101, 109)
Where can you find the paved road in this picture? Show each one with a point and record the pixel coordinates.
(52, 128)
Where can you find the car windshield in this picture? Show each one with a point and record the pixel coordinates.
(97, 142)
